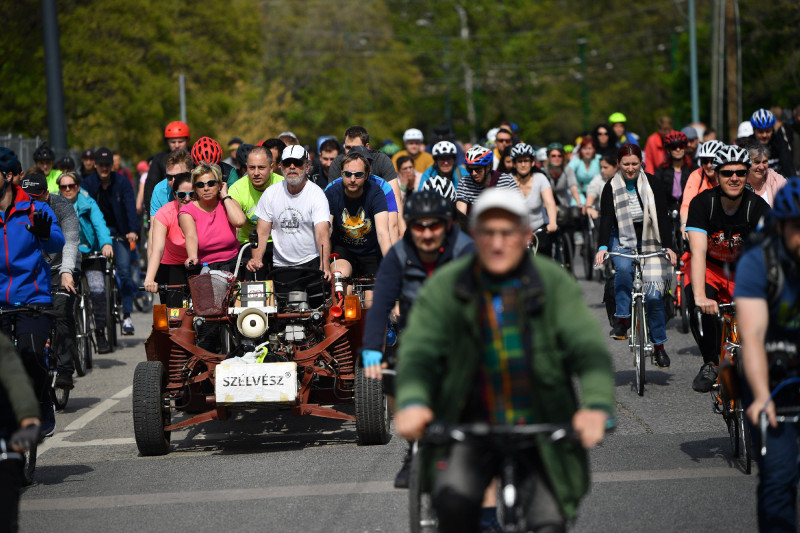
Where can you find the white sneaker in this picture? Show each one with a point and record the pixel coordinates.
(127, 326)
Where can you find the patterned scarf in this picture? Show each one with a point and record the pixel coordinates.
(655, 271)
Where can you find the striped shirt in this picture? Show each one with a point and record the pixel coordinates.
(469, 189)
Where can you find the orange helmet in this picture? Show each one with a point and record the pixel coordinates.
(206, 150)
(176, 129)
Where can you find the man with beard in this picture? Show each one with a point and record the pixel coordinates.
(296, 214)
(719, 221)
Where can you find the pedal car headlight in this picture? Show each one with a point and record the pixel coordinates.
(252, 323)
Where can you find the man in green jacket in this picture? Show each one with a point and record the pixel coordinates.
(497, 337)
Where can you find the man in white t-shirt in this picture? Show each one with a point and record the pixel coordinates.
(296, 212)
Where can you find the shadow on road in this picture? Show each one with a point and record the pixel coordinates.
(653, 376)
(56, 474)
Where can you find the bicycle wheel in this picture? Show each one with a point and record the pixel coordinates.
(743, 437)
(421, 518)
(567, 251)
(29, 465)
(82, 344)
(639, 345)
(588, 257)
(60, 398)
(683, 307)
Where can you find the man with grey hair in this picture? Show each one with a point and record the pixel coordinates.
(295, 213)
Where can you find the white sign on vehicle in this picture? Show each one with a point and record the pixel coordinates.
(256, 383)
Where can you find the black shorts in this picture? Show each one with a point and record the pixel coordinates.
(364, 265)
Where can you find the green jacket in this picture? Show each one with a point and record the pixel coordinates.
(440, 352)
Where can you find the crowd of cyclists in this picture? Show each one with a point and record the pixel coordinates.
(401, 216)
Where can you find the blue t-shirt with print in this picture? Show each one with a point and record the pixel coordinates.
(354, 218)
(391, 202)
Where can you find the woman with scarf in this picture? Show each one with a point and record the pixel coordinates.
(634, 218)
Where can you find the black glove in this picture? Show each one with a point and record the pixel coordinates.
(41, 225)
(25, 438)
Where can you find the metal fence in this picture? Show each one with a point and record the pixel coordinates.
(24, 147)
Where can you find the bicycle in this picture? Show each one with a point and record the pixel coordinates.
(589, 246)
(84, 326)
(113, 296)
(725, 392)
(10, 314)
(783, 415)
(422, 517)
(638, 338)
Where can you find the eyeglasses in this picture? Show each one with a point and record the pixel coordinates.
(523, 161)
(179, 175)
(602, 133)
(349, 174)
(556, 156)
(504, 141)
(289, 162)
(473, 170)
(729, 173)
(489, 234)
(183, 195)
(706, 160)
(204, 184)
(434, 225)
(68, 186)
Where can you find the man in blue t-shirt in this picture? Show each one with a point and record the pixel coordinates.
(360, 219)
(767, 299)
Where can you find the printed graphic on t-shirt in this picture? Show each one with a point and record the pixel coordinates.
(355, 228)
(290, 220)
(724, 247)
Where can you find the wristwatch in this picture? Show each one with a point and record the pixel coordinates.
(227, 198)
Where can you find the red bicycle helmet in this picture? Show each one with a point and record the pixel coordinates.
(176, 129)
(675, 138)
(206, 150)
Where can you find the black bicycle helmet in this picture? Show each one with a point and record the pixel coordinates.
(44, 153)
(427, 204)
(65, 164)
(9, 162)
(242, 152)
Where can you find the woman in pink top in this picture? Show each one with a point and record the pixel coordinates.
(167, 244)
(210, 222)
(764, 181)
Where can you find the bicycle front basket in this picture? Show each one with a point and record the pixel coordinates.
(210, 293)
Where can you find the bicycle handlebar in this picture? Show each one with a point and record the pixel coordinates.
(661, 253)
(723, 308)
(440, 432)
(165, 287)
(6, 453)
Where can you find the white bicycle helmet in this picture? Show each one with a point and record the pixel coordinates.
(522, 149)
(731, 154)
(709, 148)
(541, 154)
(444, 148)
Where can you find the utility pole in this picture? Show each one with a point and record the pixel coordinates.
(732, 66)
(56, 121)
(468, 81)
(717, 64)
(182, 91)
(584, 83)
(693, 63)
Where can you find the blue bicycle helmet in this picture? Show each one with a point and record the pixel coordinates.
(479, 156)
(787, 200)
(9, 162)
(762, 119)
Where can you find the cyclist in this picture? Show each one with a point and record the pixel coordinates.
(443, 176)
(481, 177)
(535, 188)
(63, 266)
(764, 181)
(769, 327)
(430, 241)
(114, 194)
(763, 122)
(617, 121)
(20, 428)
(719, 221)
(94, 237)
(176, 134)
(44, 157)
(33, 230)
(700, 179)
(608, 167)
(634, 218)
(605, 140)
(674, 170)
(587, 164)
(562, 178)
(414, 144)
(497, 337)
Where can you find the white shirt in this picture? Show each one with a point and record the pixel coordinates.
(293, 217)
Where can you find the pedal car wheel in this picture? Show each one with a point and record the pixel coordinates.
(29, 465)
(150, 415)
(372, 411)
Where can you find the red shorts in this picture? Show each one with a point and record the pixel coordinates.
(715, 277)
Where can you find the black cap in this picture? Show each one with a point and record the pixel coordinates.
(66, 162)
(103, 155)
(87, 154)
(235, 140)
(363, 151)
(34, 184)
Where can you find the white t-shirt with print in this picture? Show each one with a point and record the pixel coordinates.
(293, 218)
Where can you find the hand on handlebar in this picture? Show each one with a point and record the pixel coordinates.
(590, 426)
(600, 257)
(132, 237)
(552, 227)
(191, 262)
(706, 305)
(254, 264)
(150, 285)
(673, 257)
(68, 282)
(754, 411)
(108, 251)
(410, 422)
(24, 438)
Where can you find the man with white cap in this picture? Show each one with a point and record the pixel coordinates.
(296, 213)
(414, 143)
(496, 337)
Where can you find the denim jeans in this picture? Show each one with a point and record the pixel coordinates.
(623, 285)
(122, 260)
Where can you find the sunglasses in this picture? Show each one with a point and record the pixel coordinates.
(183, 195)
(289, 162)
(502, 141)
(706, 160)
(602, 133)
(556, 156)
(348, 174)
(729, 173)
(179, 175)
(472, 170)
(680, 146)
(204, 184)
(434, 225)
(68, 186)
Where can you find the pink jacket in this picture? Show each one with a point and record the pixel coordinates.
(770, 186)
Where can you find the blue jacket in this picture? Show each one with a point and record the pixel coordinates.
(24, 273)
(399, 278)
(94, 231)
(122, 198)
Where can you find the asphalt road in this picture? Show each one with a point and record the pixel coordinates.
(667, 467)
